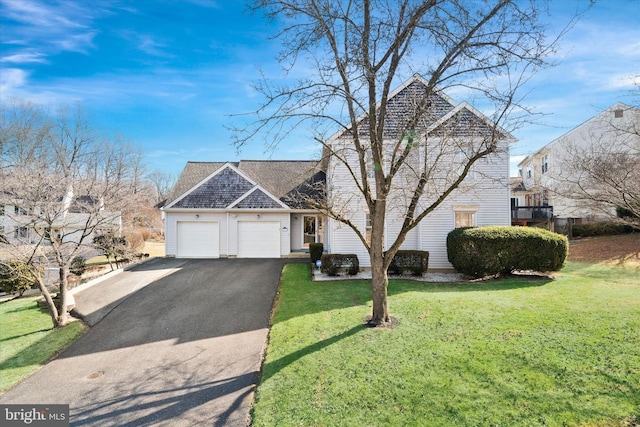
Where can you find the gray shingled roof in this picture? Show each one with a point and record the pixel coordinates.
(280, 178)
(402, 105)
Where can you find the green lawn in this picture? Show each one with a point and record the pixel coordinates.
(27, 339)
(511, 352)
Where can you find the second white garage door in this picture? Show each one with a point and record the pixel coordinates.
(198, 239)
(259, 239)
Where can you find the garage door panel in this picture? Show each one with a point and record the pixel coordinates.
(259, 239)
(198, 239)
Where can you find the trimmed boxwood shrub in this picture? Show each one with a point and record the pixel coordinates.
(333, 263)
(315, 251)
(481, 251)
(600, 229)
(415, 262)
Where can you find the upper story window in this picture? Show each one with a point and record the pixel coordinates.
(1, 210)
(19, 211)
(529, 171)
(21, 233)
(462, 158)
(545, 163)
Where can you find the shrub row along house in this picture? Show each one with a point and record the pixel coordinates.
(584, 175)
(265, 209)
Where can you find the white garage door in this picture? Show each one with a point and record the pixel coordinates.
(198, 239)
(259, 239)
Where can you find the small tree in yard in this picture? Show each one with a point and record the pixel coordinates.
(15, 277)
(353, 53)
(111, 246)
(63, 183)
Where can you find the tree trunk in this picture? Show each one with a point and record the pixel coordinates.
(379, 284)
(379, 279)
(63, 316)
(53, 310)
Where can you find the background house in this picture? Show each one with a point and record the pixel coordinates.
(556, 175)
(30, 222)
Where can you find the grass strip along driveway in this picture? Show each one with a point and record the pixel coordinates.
(27, 339)
(514, 351)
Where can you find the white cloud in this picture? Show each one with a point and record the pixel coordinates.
(632, 49)
(24, 58)
(11, 79)
(53, 26)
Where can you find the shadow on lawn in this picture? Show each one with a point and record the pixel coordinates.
(272, 368)
(315, 297)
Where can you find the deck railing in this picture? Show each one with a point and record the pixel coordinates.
(531, 213)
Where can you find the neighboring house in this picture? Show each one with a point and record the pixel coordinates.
(19, 224)
(527, 208)
(550, 174)
(251, 209)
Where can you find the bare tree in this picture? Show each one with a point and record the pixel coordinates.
(352, 54)
(61, 184)
(597, 167)
(162, 183)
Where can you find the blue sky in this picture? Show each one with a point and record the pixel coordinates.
(166, 74)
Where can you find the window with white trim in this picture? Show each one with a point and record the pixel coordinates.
(367, 227)
(462, 158)
(545, 163)
(464, 216)
(21, 233)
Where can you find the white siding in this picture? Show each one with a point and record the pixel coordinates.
(487, 190)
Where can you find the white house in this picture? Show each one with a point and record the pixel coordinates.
(247, 209)
(553, 175)
(261, 208)
(69, 221)
(447, 134)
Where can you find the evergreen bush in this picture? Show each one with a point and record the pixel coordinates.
(481, 251)
(315, 251)
(334, 263)
(415, 262)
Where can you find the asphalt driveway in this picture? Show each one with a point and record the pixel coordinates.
(183, 350)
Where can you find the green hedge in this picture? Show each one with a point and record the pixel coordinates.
(600, 229)
(333, 263)
(315, 251)
(481, 251)
(415, 262)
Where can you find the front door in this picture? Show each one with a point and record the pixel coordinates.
(310, 230)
